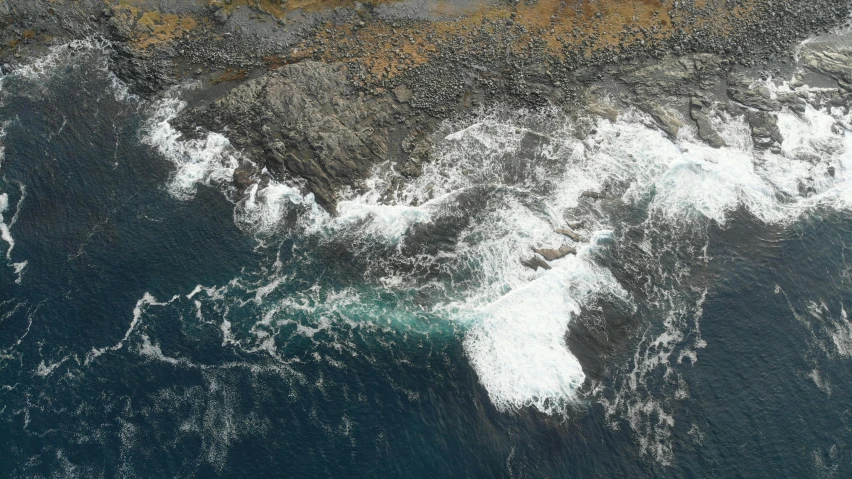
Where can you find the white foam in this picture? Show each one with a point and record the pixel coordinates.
(152, 350)
(44, 370)
(538, 170)
(57, 55)
(210, 160)
(517, 345)
(262, 210)
(141, 306)
(97, 49)
(386, 222)
(19, 270)
(683, 182)
(841, 335)
(5, 234)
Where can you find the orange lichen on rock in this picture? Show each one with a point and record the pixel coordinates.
(163, 28)
(231, 75)
(552, 27)
(149, 28)
(553, 30)
(385, 52)
(281, 9)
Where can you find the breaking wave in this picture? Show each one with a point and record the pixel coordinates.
(454, 242)
(210, 161)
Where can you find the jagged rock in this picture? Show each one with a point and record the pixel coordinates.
(221, 16)
(740, 89)
(535, 263)
(667, 120)
(244, 176)
(119, 29)
(764, 128)
(142, 73)
(551, 254)
(698, 112)
(593, 195)
(305, 120)
(566, 232)
(837, 64)
(671, 75)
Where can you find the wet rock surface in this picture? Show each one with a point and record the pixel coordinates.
(552, 254)
(305, 121)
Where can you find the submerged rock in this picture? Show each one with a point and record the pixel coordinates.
(594, 195)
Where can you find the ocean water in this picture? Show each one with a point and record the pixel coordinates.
(154, 323)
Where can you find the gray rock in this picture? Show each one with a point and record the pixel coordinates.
(698, 112)
(837, 64)
(667, 120)
(551, 254)
(535, 263)
(764, 128)
(566, 232)
(305, 120)
(671, 75)
(221, 16)
(760, 97)
(403, 94)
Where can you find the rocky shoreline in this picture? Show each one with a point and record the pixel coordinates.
(321, 92)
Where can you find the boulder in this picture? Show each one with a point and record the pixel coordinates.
(566, 232)
(764, 128)
(221, 16)
(535, 263)
(551, 254)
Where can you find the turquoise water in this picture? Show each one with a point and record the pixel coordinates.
(162, 327)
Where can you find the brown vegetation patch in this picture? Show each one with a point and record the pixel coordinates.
(231, 75)
(280, 10)
(152, 27)
(554, 28)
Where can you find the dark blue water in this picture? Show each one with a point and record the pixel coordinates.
(110, 365)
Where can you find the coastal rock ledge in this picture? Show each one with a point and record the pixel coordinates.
(306, 121)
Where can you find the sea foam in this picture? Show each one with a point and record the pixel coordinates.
(517, 343)
(532, 171)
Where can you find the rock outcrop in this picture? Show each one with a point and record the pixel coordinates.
(306, 121)
(835, 63)
(551, 254)
(535, 263)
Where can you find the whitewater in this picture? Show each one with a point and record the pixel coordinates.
(438, 258)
